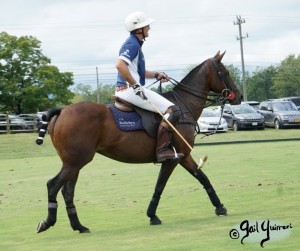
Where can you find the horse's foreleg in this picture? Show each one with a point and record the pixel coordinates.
(191, 166)
(164, 174)
(68, 193)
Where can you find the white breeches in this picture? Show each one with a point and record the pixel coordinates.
(160, 102)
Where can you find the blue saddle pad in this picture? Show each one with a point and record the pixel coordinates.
(127, 121)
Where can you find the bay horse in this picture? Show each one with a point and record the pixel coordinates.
(80, 130)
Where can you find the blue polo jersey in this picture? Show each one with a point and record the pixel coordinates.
(131, 53)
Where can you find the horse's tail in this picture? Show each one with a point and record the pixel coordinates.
(46, 118)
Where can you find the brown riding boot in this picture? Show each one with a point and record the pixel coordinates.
(164, 150)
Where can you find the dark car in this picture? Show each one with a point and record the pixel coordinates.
(243, 117)
(280, 113)
(254, 104)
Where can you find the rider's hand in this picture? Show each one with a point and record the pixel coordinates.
(138, 90)
(163, 77)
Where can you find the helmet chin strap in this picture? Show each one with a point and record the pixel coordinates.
(142, 32)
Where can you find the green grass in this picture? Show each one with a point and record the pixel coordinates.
(255, 181)
(248, 135)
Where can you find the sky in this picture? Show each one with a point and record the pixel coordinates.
(82, 35)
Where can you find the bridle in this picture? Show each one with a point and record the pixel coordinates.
(227, 94)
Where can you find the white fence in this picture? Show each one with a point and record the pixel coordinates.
(19, 123)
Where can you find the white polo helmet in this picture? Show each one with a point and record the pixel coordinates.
(137, 20)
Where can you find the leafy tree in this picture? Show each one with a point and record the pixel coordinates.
(259, 85)
(28, 82)
(287, 80)
(235, 75)
(86, 93)
(106, 93)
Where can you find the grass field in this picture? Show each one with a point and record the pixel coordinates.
(255, 181)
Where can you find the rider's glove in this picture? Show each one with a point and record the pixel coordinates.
(163, 77)
(138, 90)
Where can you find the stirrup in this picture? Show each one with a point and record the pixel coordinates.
(175, 154)
(172, 157)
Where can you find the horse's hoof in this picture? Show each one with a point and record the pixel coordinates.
(84, 230)
(221, 211)
(155, 220)
(42, 226)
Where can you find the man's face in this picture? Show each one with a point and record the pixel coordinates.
(146, 30)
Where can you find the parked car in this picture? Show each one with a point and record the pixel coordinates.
(29, 118)
(280, 114)
(16, 123)
(254, 104)
(209, 120)
(295, 100)
(243, 117)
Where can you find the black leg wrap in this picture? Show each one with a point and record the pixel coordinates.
(52, 213)
(220, 209)
(213, 197)
(74, 221)
(51, 219)
(152, 207)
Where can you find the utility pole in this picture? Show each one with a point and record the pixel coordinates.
(239, 22)
(98, 91)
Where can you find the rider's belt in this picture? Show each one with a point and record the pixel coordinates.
(122, 88)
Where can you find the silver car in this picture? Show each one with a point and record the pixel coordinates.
(209, 120)
(280, 114)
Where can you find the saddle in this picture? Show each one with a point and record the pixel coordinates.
(129, 117)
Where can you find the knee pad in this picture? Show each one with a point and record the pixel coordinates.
(174, 115)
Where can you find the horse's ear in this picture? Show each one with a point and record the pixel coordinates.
(219, 56)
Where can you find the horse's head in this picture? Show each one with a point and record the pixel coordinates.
(222, 82)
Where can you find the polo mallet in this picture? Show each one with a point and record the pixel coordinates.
(201, 160)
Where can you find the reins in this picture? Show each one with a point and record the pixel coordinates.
(193, 92)
(218, 98)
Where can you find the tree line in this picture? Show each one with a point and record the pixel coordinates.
(271, 82)
(30, 83)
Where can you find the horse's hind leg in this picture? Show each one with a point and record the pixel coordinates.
(191, 166)
(53, 186)
(68, 193)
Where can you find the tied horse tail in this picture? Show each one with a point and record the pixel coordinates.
(46, 118)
